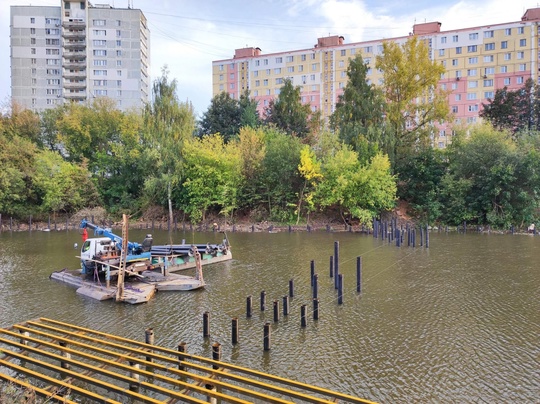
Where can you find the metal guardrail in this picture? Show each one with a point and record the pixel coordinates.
(68, 363)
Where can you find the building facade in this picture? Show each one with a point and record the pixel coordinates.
(478, 61)
(77, 52)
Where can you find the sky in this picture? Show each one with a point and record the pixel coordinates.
(187, 35)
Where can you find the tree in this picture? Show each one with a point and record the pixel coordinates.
(359, 112)
(168, 124)
(288, 113)
(212, 176)
(414, 104)
(252, 148)
(310, 170)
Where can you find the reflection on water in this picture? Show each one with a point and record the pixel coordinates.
(456, 322)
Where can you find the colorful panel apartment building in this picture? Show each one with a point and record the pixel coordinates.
(478, 60)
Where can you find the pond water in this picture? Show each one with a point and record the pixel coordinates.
(456, 322)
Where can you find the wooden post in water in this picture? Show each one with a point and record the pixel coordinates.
(149, 339)
(291, 288)
(336, 263)
(285, 305)
(358, 274)
(263, 300)
(266, 336)
(303, 321)
(340, 289)
(134, 386)
(182, 348)
(276, 311)
(331, 266)
(30, 223)
(249, 306)
(234, 330)
(206, 324)
(315, 286)
(421, 236)
(312, 267)
(315, 309)
(427, 236)
(216, 354)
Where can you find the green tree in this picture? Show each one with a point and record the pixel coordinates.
(413, 101)
(212, 176)
(168, 123)
(63, 186)
(287, 111)
(252, 148)
(310, 170)
(359, 112)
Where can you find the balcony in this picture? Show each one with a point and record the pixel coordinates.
(78, 44)
(74, 55)
(74, 34)
(74, 64)
(74, 74)
(74, 84)
(74, 25)
(79, 95)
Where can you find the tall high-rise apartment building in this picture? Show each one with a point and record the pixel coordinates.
(77, 52)
(478, 61)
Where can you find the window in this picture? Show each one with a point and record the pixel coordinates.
(118, 23)
(118, 43)
(458, 50)
(489, 94)
(100, 83)
(100, 62)
(118, 33)
(473, 108)
(53, 82)
(454, 86)
(33, 51)
(522, 42)
(367, 61)
(443, 86)
(454, 62)
(343, 74)
(521, 30)
(279, 80)
(32, 20)
(221, 67)
(314, 87)
(455, 38)
(257, 83)
(290, 69)
(265, 61)
(303, 57)
(100, 32)
(343, 52)
(100, 92)
(519, 80)
(473, 61)
(443, 39)
(53, 72)
(32, 31)
(341, 84)
(99, 23)
(507, 81)
(257, 63)
(290, 59)
(256, 93)
(231, 76)
(521, 55)
(490, 46)
(458, 73)
(268, 72)
(52, 62)
(100, 52)
(488, 34)
(118, 63)
(99, 42)
(353, 51)
(490, 70)
(488, 83)
(471, 96)
(471, 72)
(312, 77)
(522, 67)
(341, 63)
(472, 48)
(455, 109)
(279, 60)
(504, 69)
(507, 56)
(488, 58)
(508, 31)
(473, 36)
(314, 66)
(472, 84)
(368, 49)
(32, 41)
(277, 70)
(265, 82)
(441, 52)
(276, 91)
(312, 56)
(100, 72)
(504, 45)
(255, 74)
